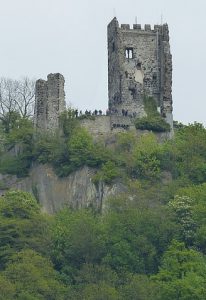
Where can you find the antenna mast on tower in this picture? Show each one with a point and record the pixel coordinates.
(114, 12)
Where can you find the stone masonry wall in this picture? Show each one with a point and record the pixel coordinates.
(139, 63)
(49, 102)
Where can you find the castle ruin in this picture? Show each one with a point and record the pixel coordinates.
(139, 64)
(49, 102)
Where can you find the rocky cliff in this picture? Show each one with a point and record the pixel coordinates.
(54, 193)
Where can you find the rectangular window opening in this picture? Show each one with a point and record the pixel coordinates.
(129, 53)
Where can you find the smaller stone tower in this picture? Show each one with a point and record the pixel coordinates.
(49, 102)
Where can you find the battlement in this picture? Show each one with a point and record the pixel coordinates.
(138, 27)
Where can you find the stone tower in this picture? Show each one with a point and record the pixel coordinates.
(139, 63)
(49, 102)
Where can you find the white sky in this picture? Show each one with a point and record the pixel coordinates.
(39, 37)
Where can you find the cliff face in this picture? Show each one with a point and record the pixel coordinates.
(54, 193)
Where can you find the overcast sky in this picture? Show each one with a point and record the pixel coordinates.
(39, 37)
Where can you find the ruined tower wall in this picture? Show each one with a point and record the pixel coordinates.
(49, 102)
(166, 103)
(139, 63)
(40, 110)
(56, 99)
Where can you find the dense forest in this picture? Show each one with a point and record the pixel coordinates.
(148, 243)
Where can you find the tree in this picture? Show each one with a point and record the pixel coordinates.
(145, 162)
(182, 206)
(182, 274)
(77, 239)
(187, 153)
(33, 277)
(136, 235)
(21, 225)
(16, 98)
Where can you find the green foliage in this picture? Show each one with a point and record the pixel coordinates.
(182, 274)
(150, 106)
(15, 165)
(99, 291)
(187, 153)
(191, 216)
(124, 253)
(7, 289)
(153, 121)
(77, 239)
(182, 205)
(21, 225)
(10, 121)
(138, 287)
(145, 161)
(17, 157)
(33, 277)
(94, 274)
(18, 204)
(22, 132)
(80, 150)
(135, 235)
(68, 122)
(107, 173)
(48, 147)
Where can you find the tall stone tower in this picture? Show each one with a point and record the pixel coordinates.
(49, 102)
(139, 63)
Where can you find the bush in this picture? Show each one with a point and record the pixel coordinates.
(153, 120)
(15, 165)
(107, 173)
(154, 123)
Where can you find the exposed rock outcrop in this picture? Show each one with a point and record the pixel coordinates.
(54, 193)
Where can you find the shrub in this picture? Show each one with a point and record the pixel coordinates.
(153, 120)
(155, 123)
(107, 173)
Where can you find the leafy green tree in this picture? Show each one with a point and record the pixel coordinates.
(21, 225)
(182, 274)
(33, 277)
(49, 148)
(10, 120)
(196, 213)
(182, 206)
(136, 235)
(77, 239)
(68, 122)
(108, 172)
(18, 204)
(81, 148)
(145, 163)
(17, 155)
(187, 153)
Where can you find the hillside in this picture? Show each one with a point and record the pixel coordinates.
(145, 241)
